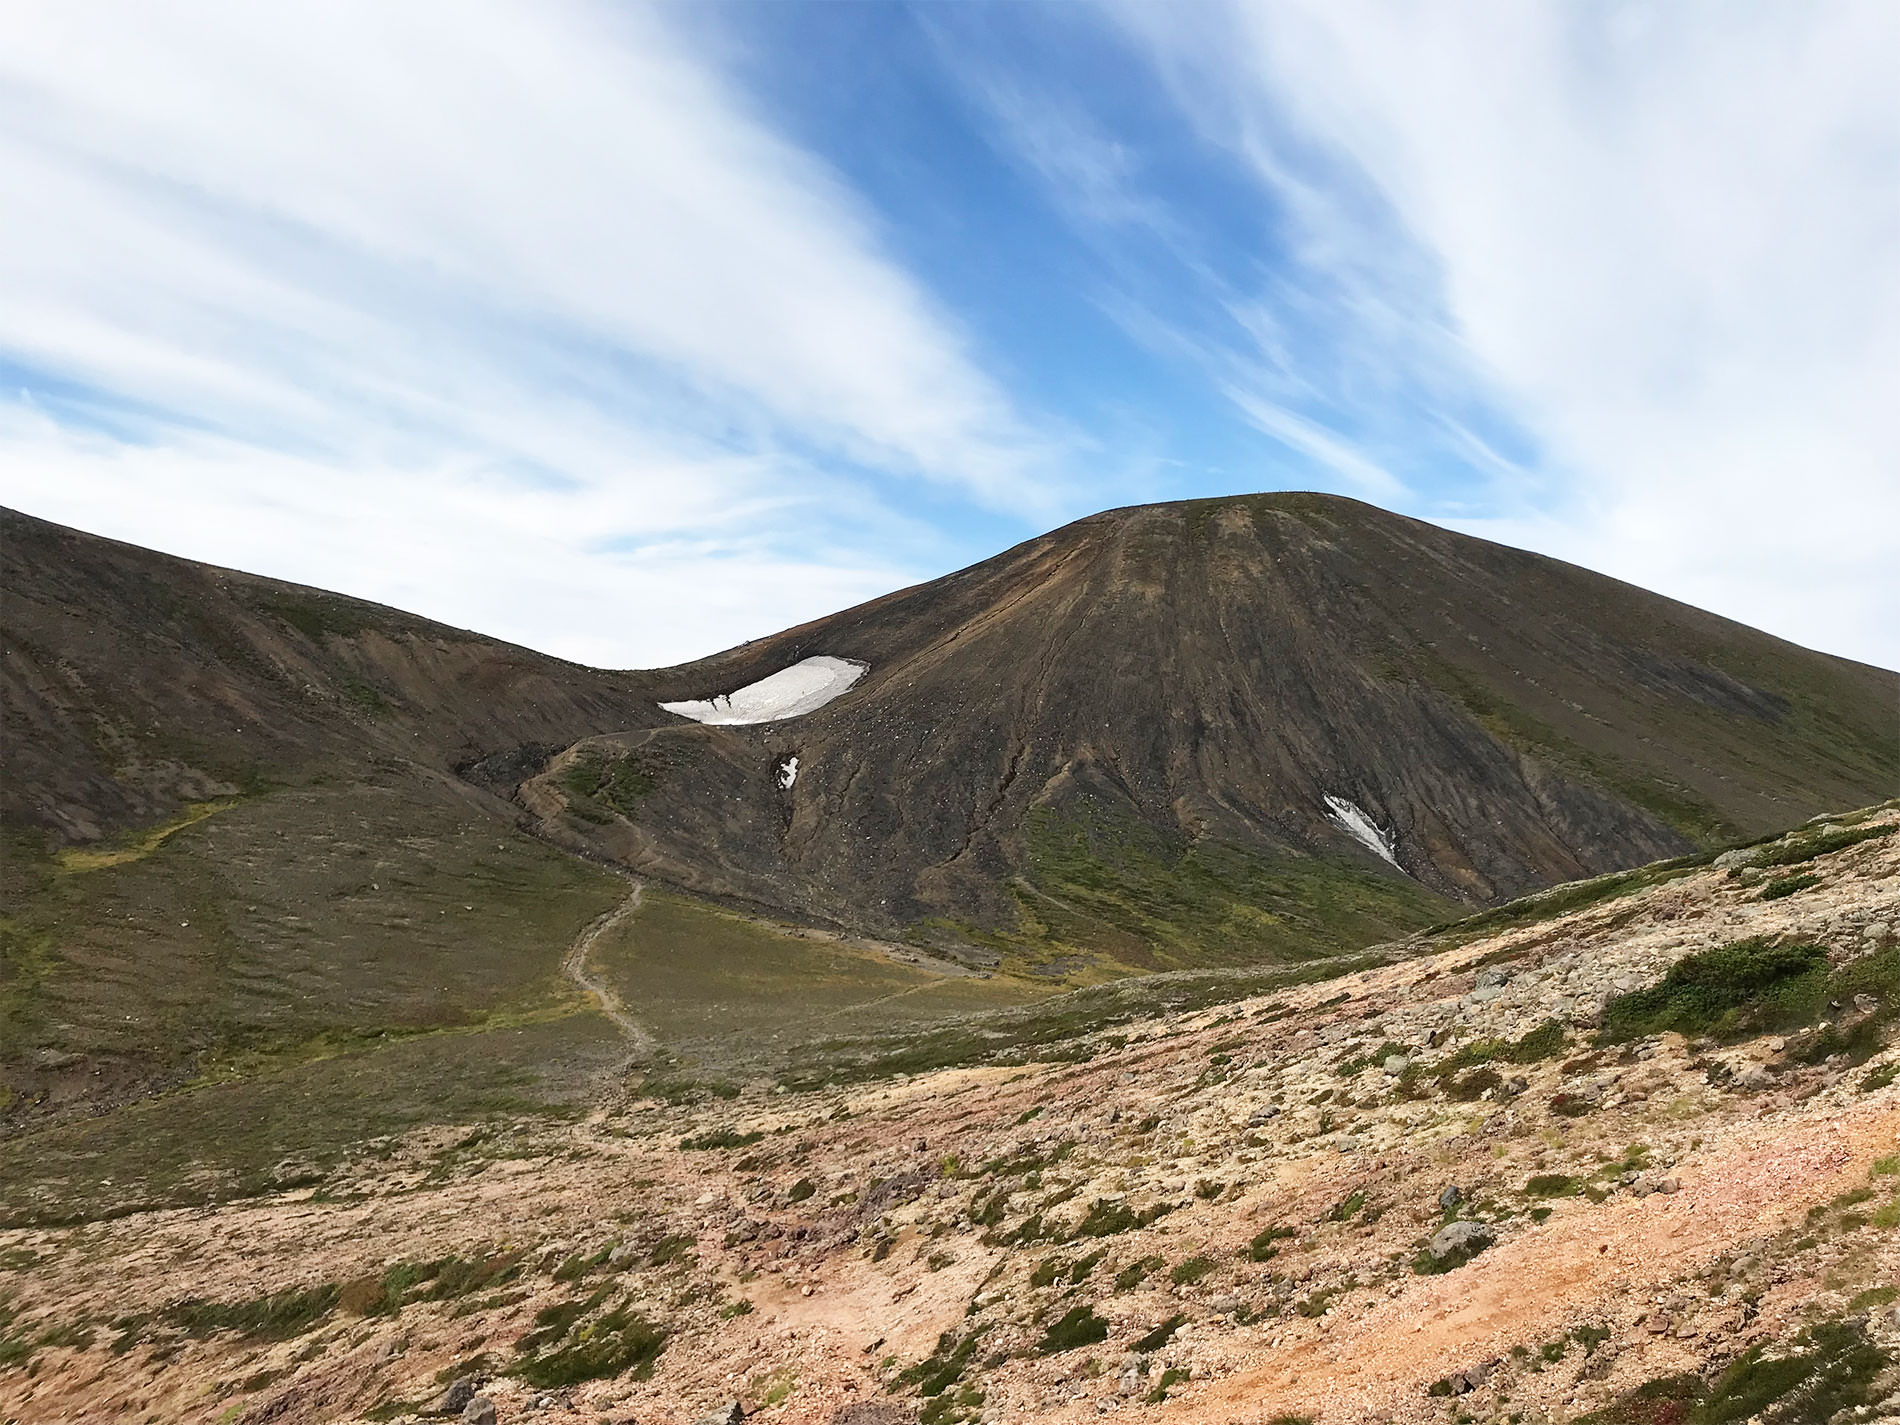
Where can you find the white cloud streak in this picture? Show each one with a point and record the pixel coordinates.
(307, 288)
(1669, 234)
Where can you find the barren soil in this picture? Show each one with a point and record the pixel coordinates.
(1015, 1243)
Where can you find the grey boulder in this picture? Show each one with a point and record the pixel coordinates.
(1463, 1238)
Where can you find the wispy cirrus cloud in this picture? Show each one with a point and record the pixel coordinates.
(538, 274)
(1661, 239)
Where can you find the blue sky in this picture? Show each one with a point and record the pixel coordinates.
(629, 332)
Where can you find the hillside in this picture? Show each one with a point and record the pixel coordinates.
(1131, 741)
(1627, 1153)
(282, 841)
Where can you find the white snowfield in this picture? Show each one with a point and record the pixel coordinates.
(804, 687)
(1362, 828)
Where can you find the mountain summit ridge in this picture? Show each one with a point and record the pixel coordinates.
(1151, 716)
(1159, 680)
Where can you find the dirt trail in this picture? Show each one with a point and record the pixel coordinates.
(574, 966)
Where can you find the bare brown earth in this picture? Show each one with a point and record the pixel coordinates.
(1720, 1196)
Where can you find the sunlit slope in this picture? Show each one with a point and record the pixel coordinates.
(1120, 740)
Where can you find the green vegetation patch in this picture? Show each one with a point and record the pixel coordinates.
(620, 1342)
(1103, 882)
(1162, 1334)
(1078, 1327)
(277, 1317)
(1783, 886)
(1553, 1185)
(226, 1140)
(1167, 1380)
(944, 1367)
(1750, 987)
(1803, 849)
(1830, 1372)
(1132, 1275)
(1263, 1247)
(1192, 1271)
(1567, 899)
(598, 781)
(731, 996)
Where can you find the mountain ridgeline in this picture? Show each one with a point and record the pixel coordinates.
(1142, 740)
(1121, 739)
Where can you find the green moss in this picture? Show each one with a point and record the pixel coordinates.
(1668, 1400)
(597, 779)
(1132, 1275)
(937, 1372)
(1553, 1185)
(276, 1317)
(1060, 1028)
(1167, 1380)
(719, 1138)
(1804, 848)
(1831, 1368)
(1262, 1247)
(1751, 986)
(1347, 1208)
(1783, 886)
(1079, 1273)
(1078, 1327)
(315, 615)
(1567, 899)
(617, 1343)
(1829, 1372)
(1191, 1271)
(1161, 1334)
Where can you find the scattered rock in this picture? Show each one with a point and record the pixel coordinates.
(872, 1412)
(455, 1399)
(479, 1411)
(1450, 1198)
(726, 1414)
(1463, 1238)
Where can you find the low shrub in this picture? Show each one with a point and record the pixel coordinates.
(1161, 1335)
(1787, 885)
(1078, 1327)
(1262, 1247)
(719, 1138)
(1751, 986)
(1191, 1271)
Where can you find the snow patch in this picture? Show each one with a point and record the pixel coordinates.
(1361, 828)
(787, 773)
(804, 687)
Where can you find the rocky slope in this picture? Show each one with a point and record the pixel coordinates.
(1629, 1152)
(1141, 738)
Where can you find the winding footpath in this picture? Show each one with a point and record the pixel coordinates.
(574, 966)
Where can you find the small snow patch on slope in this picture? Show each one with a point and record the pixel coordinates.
(787, 773)
(804, 687)
(1362, 828)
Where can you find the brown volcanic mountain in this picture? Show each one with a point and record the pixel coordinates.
(1117, 739)
(1124, 734)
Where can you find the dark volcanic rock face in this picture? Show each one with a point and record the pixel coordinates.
(1093, 715)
